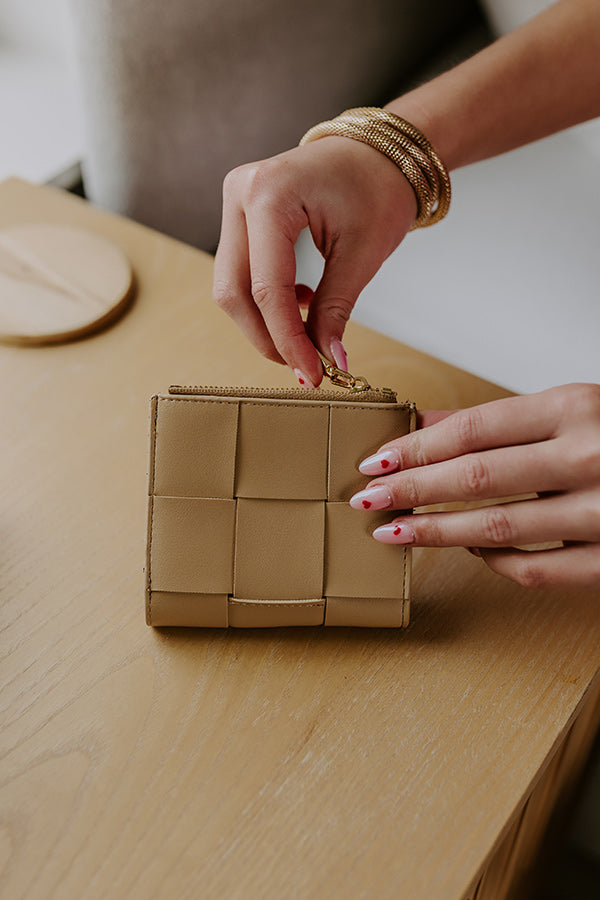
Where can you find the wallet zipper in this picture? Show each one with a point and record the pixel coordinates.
(356, 387)
(369, 395)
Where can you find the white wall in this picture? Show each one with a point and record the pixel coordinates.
(42, 25)
(507, 286)
(39, 101)
(504, 15)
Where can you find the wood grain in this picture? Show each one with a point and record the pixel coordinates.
(290, 763)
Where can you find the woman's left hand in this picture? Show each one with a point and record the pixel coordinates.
(546, 444)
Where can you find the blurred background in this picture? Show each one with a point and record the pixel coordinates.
(144, 106)
(40, 104)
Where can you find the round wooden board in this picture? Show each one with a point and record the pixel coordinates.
(58, 283)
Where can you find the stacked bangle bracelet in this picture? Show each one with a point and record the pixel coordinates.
(405, 145)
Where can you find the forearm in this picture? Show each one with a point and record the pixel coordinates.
(537, 80)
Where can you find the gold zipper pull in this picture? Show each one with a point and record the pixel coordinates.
(356, 384)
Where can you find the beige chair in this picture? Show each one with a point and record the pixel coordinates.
(177, 94)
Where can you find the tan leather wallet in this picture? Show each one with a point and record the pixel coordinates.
(248, 516)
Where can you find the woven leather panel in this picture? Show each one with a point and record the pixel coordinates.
(249, 523)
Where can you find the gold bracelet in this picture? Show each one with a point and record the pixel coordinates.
(406, 146)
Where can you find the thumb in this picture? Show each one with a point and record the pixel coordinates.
(332, 303)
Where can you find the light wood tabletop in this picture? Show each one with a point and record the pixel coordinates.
(305, 763)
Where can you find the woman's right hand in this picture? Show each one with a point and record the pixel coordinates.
(358, 206)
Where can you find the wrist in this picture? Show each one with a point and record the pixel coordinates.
(438, 127)
(405, 145)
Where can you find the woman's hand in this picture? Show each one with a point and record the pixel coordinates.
(358, 206)
(546, 443)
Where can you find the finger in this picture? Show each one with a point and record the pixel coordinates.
(271, 240)
(513, 420)
(502, 525)
(476, 476)
(427, 417)
(304, 295)
(231, 284)
(576, 566)
(344, 276)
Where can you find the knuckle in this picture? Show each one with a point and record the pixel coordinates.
(271, 300)
(258, 184)
(419, 452)
(269, 297)
(234, 180)
(585, 459)
(404, 456)
(263, 294)
(474, 477)
(406, 492)
(497, 527)
(336, 308)
(266, 182)
(252, 184)
(270, 191)
(468, 428)
(430, 532)
(224, 296)
(530, 574)
(581, 400)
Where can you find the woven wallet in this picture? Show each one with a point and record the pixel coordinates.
(248, 516)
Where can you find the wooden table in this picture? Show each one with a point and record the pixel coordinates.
(249, 764)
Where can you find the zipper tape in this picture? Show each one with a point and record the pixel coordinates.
(371, 395)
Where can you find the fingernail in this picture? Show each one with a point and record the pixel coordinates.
(394, 533)
(304, 380)
(376, 497)
(384, 461)
(339, 355)
(475, 551)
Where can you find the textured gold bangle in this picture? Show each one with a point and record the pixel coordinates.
(406, 146)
